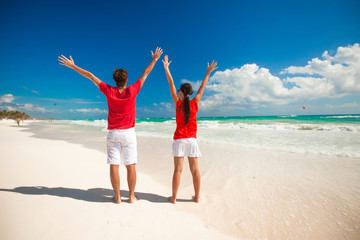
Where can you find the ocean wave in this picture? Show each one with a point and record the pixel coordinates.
(284, 146)
(155, 123)
(345, 116)
(229, 125)
(299, 138)
(305, 141)
(288, 116)
(280, 126)
(94, 123)
(329, 139)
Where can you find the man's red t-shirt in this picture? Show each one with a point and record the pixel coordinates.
(122, 107)
(189, 130)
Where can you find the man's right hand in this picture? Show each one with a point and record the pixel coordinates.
(157, 53)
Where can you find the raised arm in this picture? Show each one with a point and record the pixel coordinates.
(70, 63)
(149, 68)
(173, 92)
(200, 92)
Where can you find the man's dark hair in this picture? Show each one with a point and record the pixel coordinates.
(120, 77)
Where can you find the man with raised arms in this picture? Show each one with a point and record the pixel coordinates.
(121, 138)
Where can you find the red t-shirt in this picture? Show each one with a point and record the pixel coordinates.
(122, 107)
(189, 130)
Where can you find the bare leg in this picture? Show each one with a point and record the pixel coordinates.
(194, 168)
(131, 178)
(115, 182)
(178, 167)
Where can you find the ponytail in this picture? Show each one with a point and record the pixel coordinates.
(186, 89)
(186, 108)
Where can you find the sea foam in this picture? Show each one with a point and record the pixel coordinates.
(328, 135)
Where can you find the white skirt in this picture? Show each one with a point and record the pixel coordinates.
(185, 147)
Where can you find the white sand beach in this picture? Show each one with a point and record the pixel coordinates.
(56, 189)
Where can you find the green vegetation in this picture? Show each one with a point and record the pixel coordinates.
(13, 115)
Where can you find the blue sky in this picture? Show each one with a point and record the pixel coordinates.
(273, 56)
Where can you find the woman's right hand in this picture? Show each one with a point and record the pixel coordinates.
(166, 61)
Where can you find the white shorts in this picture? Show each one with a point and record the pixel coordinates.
(185, 147)
(122, 141)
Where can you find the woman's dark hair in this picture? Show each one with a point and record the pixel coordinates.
(120, 77)
(186, 89)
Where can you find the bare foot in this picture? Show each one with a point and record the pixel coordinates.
(117, 200)
(173, 201)
(133, 199)
(196, 199)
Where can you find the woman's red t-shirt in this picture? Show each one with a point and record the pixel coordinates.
(189, 130)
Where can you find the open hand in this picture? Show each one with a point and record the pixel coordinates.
(212, 67)
(166, 61)
(66, 62)
(157, 53)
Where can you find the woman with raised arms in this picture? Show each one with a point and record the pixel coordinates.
(185, 144)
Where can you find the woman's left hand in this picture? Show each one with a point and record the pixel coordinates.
(212, 67)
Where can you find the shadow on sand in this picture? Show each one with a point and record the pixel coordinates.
(90, 195)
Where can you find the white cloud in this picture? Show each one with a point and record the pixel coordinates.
(252, 86)
(340, 73)
(311, 88)
(7, 98)
(6, 102)
(72, 100)
(31, 108)
(248, 85)
(33, 91)
(167, 106)
(164, 106)
(89, 110)
(8, 108)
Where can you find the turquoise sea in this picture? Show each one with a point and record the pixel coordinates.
(316, 134)
(319, 119)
